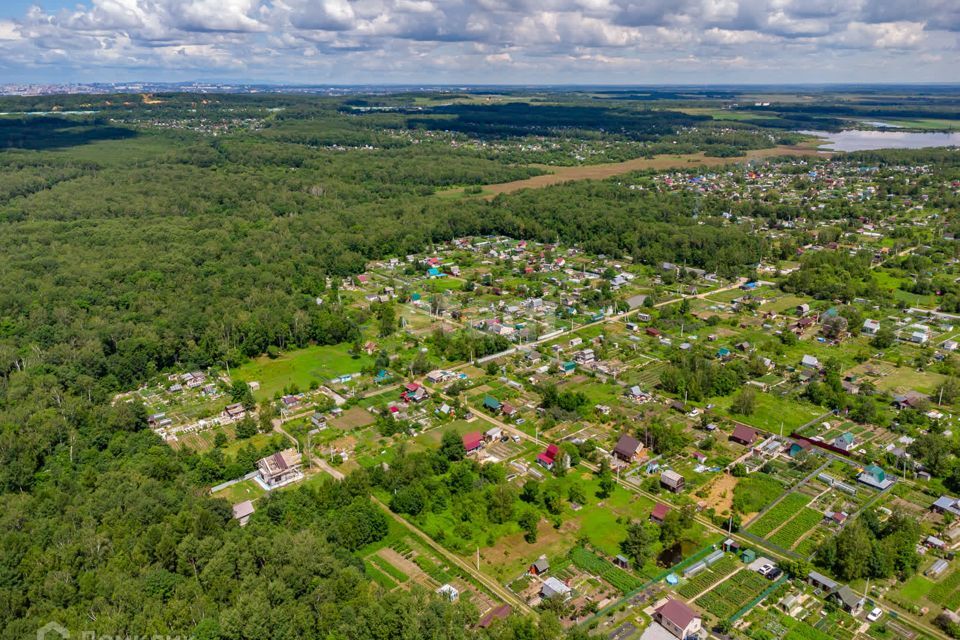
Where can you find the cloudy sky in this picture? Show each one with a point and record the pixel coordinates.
(481, 41)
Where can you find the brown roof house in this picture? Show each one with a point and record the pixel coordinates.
(744, 435)
(628, 448)
(499, 613)
(677, 618)
(280, 469)
(659, 513)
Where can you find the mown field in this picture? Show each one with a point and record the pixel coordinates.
(303, 367)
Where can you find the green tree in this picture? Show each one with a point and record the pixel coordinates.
(528, 521)
(240, 392)
(606, 480)
(745, 402)
(451, 446)
(386, 319)
(639, 543)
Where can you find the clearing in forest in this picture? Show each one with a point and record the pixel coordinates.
(559, 175)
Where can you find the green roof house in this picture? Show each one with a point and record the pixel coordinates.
(875, 477)
(491, 403)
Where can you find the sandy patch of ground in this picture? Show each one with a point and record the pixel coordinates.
(607, 170)
(720, 495)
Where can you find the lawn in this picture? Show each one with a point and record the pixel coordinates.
(431, 438)
(906, 378)
(755, 492)
(246, 490)
(773, 410)
(353, 418)
(316, 364)
(916, 588)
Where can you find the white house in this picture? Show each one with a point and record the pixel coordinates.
(677, 618)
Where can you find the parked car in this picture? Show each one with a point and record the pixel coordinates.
(765, 569)
(774, 573)
(874, 615)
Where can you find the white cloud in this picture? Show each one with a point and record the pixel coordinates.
(9, 30)
(486, 40)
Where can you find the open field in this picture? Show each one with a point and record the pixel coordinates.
(560, 175)
(353, 418)
(316, 364)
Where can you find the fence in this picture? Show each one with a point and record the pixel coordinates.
(230, 483)
(750, 605)
(677, 567)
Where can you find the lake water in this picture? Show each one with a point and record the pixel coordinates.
(855, 140)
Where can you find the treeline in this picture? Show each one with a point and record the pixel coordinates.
(871, 548)
(833, 275)
(606, 218)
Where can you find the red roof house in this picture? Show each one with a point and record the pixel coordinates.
(472, 441)
(659, 512)
(549, 456)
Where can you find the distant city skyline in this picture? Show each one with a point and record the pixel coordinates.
(480, 41)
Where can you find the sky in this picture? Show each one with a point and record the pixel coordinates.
(481, 41)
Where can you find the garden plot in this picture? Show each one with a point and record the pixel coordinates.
(502, 451)
(778, 514)
(946, 592)
(795, 528)
(649, 376)
(733, 594)
(708, 578)
(615, 576)
(353, 418)
(886, 376)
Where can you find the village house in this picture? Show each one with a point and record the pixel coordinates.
(845, 441)
(280, 468)
(540, 566)
(678, 618)
(672, 481)
(659, 513)
(848, 600)
(234, 411)
(946, 504)
(242, 512)
(492, 404)
(548, 457)
(875, 477)
(552, 588)
(744, 435)
(414, 392)
(498, 613)
(628, 448)
(822, 582)
(799, 448)
(870, 327)
(910, 400)
(472, 441)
